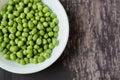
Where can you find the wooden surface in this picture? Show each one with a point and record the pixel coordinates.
(93, 50)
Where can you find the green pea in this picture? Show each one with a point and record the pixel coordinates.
(41, 59)
(6, 39)
(37, 18)
(51, 46)
(44, 41)
(45, 24)
(29, 4)
(21, 4)
(26, 1)
(45, 9)
(10, 2)
(25, 25)
(46, 55)
(31, 43)
(40, 50)
(18, 33)
(10, 23)
(39, 7)
(19, 54)
(19, 27)
(1, 39)
(35, 61)
(35, 37)
(29, 15)
(35, 51)
(13, 48)
(52, 24)
(26, 30)
(4, 30)
(12, 43)
(48, 19)
(18, 20)
(29, 55)
(45, 46)
(34, 31)
(17, 60)
(4, 23)
(24, 47)
(51, 34)
(55, 42)
(12, 30)
(42, 32)
(29, 37)
(48, 51)
(24, 34)
(16, 13)
(26, 10)
(22, 15)
(31, 60)
(55, 20)
(34, 7)
(12, 36)
(10, 16)
(47, 14)
(1, 27)
(30, 25)
(7, 56)
(36, 47)
(32, 11)
(35, 22)
(26, 60)
(22, 61)
(55, 35)
(20, 43)
(46, 36)
(53, 15)
(12, 56)
(4, 51)
(24, 20)
(8, 46)
(39, 41)
(42, 19)
(16, 40)
(40, 14)
(40, 26)
(48, 29)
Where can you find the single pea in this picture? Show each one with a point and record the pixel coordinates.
(16, 40)
(1, 27)
(42, 32)
(55, 29)
(46, 55)
(29, 50)
(6, 39)
(19, 54)
(5, 35)
(4, 51)
(25, 52)
(48, 19)
(24, 47)
(56, 35)
(42, 19)
(26, 30)
(41, 59)
(18, 33)
(32, 12)
(5, 7)
(20, 43)
(4, 23)
(44, 41)
(21, 4)
(29, 55)
(12, 56)
(55, 42)
(31, 60)
(14, 24)
(23, 39)
(31, 43)
(12, 30)
(40, 26)
(30, 25)
(16, 1)
(52, 24)
(29, 37)
(8, 46)
(10, 8)
(20, 8)
(12, 36)
(37, 18)
(19, 27)
(17, 60)
(4, 17)
(40, 14)
(35, 51)
(47, 14)
(49, 29)
(45, 24)
(25, 25)
(55, 20)
(53, 15)
(51, 46)
(35, 61)
(16, 13)
(35, 37)
(29, 15)
(45, 9)
(18, 20)
(29, 4)
(26, 1)
(4, 30)
(24, 20)
(10, 16)
(7, 56)
(34, 6)
(10, 23)
(39, 41)
(26, 10)
(26, 60)
(50, 34)
(39, 7)
(24, 34)
(10, 2)
(48, 51)
(1, 39)
(36, 47)
(12, 43)
(13, 48)
(46, 36)
(22, 15)
(35, 22)
(22, 61)
(45, 46)
(34, 31)
(40, 50)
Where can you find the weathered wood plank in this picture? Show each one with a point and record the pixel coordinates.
(93, 50)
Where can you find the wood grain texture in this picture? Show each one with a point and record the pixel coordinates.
(93, 50)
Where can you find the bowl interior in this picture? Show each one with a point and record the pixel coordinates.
(14, 67)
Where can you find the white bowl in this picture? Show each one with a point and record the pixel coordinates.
(14, 67)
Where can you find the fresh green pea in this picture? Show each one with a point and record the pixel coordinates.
(30, 25)
(45, 46)
(35, 61)
(10, 23)
(22, 15)
(34, 6)
(51, 46)
(42, 19)
(12, 43)
(20, 43)
(49, 29)
(46, 55)
(31, 43)
(16, 13)
(39, 41)
(22, 61)
(40, 26)
(26, 1)
(41, 59)
(36, 47)
(4, 23)
(10, 16)
(45, 9)
(40, 50)
(17, 60)
(12, 36)
(40, 14)
(29, 55)
(18, 33)
(24, 34)
(13, 48)
(55, 42)
(44, 41)
(12, 30)
(45, 24)
(29, 15)
(55, 35)
(55, 20)
(4, 30)
(19, 54)
(35, 37)
(51, 34)
(12, 56)
(35, 51)
(8, 46)
(29, 4)
(7, 56)
(26, 10)
(21, 4)
(4, 51)
(29, 37)
(26, 60)
(6, 39)
(42, 32)
(53, 15)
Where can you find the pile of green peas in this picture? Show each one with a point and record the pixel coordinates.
(28, 31)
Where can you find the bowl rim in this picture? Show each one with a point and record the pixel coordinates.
(30, 72)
